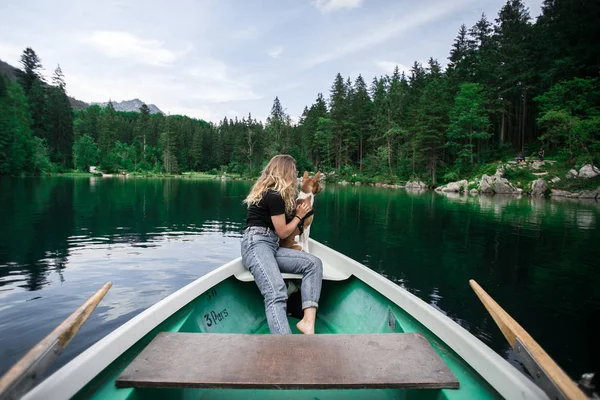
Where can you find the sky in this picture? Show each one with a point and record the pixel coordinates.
(214, 58)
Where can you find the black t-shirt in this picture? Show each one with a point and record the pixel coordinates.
(260, 214)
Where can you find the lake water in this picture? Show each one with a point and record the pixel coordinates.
(62, 238)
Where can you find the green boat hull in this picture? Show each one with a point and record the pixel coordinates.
(348, 306)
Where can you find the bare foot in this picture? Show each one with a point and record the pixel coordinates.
(306, 327)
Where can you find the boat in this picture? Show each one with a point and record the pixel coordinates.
(356, 302)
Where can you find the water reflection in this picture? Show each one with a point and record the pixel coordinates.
(61, 239)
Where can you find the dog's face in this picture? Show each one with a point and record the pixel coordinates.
(311, 185)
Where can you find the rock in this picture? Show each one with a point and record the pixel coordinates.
(456, 186)
(378, 184)
(499, 171)
(539, 187)
(503, 186)
(560, 193)
(588, 171)
(474, 191)
(357, 184)
(343, 183)
(439, 188)
(539, 173)
(555, 179)
(572, 174)
(588, 194)
(519, 191)
(537, 164)
(415, 185)
(486, 184)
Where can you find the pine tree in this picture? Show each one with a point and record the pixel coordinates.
(337, 106)
(468, 122)
(61, 121)
(514, 69)
(362, 116)
(169, 144)
(31, 64)
(39, 109)
(277, 129)
(432, 121)
(108, 130)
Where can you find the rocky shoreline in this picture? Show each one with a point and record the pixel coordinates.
(498, 184)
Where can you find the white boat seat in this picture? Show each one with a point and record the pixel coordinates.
(209, 360)
(329, 274)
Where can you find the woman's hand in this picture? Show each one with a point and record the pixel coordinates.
(302, 209)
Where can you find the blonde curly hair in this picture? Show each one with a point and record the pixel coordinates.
(280, 175)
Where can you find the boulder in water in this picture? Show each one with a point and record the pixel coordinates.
(539, 187)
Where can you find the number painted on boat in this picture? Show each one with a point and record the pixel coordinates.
(213, 318)
(211, 294)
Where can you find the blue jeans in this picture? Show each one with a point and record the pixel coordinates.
(266, 261)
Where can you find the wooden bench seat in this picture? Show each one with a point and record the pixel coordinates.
(198, 360)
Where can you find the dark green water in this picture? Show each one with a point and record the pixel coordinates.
(62, 238)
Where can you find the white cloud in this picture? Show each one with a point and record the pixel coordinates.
(326, 6)
(383, 31)
(275, 52)
(121, 44)
(388, 67)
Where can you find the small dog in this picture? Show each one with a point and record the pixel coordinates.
(310, 187)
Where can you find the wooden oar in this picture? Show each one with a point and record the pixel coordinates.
(546, 373)
(21, 377)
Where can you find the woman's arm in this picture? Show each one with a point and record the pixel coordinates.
(284, 230)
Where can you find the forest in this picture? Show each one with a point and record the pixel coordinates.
(511, 85)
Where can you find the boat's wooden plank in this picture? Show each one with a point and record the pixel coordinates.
(513, 331)
(288, 362)
(24, 374)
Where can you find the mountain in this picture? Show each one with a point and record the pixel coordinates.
(127, 105)
(132, 105)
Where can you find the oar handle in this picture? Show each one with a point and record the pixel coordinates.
(541, 366)
(21, 377)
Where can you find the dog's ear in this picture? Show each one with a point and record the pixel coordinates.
(305, 176)
(317, 175)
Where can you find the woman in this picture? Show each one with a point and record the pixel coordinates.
(271, 198)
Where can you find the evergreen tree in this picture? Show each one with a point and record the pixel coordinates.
(514, 69)
(337, 107)
(468, 122)
(39, 109)
(169, 145)
(277, 129)
(31, 64)
(432, 121)
(108, 131)
(362, 116)
(15, 134)
(61, 121)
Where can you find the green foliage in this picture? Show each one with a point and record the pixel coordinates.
(570, 117)
(15, 134)
(468, 122)
(518, 174)
(85, 153)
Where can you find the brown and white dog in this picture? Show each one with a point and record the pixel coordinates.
(310, 187)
